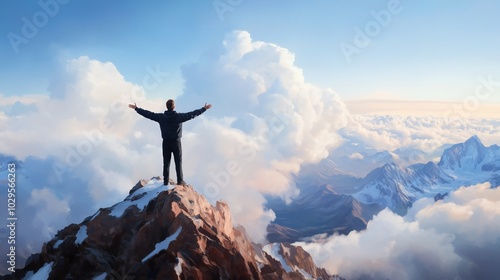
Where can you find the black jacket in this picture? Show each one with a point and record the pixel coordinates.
(170, 121)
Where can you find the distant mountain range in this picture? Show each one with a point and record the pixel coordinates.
(340, 203)
(358, 160)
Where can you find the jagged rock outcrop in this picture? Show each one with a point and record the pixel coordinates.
(161, 232)
(296, 261)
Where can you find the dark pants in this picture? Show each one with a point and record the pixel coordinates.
(172, 147)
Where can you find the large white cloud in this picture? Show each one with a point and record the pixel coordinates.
(456, 238)
(265, 123)
(258, 85)
(82, 136)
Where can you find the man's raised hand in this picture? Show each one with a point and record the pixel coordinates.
(207, 106)
(133, 106)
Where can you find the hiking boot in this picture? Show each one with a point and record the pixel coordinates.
(182, 183)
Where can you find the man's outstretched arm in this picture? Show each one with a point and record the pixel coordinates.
(145, 113)
(182, 117)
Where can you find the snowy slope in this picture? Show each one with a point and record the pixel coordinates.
(470, 155)
(341, 203)
(462, 164)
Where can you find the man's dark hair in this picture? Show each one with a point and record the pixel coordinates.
(170, 104)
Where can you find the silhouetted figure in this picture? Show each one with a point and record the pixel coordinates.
(171, 131)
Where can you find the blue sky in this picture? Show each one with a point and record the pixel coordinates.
(429, 50)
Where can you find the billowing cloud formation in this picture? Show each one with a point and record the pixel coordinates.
(257, 85)
(265, 123)
(78, 147)
(456, 238)
(86, 125)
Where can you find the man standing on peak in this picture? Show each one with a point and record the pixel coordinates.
(171, 131)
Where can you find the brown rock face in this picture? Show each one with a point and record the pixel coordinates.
(161, 232)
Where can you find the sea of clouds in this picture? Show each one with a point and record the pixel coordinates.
(84, 149)
(456, 238)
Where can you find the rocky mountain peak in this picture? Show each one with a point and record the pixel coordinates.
(474, 140)
(429, 169)
(469, 154)
(388, 172)
(163, 232)
(390, 166)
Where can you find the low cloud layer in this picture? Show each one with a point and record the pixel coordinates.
(426, 133)
(471, 106)
(456, 238)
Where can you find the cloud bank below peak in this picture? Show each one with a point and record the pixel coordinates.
(456, 238)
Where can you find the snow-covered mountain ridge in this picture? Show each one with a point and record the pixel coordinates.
(390, 185)
(462, 164)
